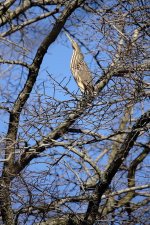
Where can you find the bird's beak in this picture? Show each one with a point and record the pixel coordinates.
(68, 37)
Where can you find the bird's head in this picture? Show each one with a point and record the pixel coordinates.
(74, 44)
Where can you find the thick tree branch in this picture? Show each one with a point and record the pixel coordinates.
(33, 72)
(113, 167)
(28, 22)
(4, 6)
(10, 15)
(9, 170)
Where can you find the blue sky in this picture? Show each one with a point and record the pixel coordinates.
(57, 62)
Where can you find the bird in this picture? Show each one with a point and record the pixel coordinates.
(80, 70)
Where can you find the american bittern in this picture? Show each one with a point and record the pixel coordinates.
(80, 70)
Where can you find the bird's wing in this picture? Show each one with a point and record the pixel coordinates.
(86, 78)
(79, 81)
(82, 75)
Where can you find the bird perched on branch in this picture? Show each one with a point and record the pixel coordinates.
(80, 70)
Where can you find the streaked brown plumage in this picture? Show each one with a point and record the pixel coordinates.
(80, 70)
